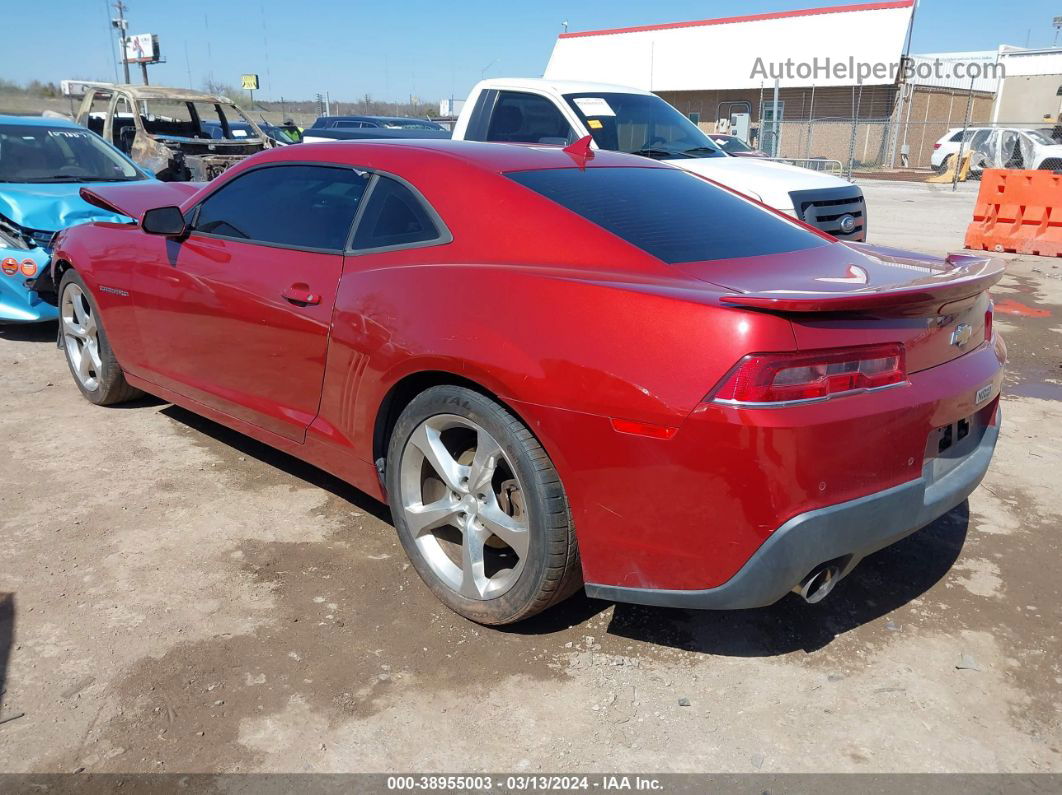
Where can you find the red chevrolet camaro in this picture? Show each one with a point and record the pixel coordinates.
(558, 367)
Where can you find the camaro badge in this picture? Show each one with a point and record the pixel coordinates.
(961, 335)
(856, 275)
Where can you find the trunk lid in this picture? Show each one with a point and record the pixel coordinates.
(853, 293)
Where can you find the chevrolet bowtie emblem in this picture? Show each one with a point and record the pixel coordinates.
(961, 335)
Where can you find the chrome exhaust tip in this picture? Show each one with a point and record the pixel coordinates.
(818, 584)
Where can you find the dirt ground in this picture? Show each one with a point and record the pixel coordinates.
(177, 597)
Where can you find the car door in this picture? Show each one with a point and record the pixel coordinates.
(237, 316)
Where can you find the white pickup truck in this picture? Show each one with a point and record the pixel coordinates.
(535, 110)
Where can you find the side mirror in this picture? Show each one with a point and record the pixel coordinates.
(168, 221)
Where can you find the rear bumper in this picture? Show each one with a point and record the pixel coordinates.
(847, 532)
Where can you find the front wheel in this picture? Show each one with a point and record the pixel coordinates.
(88, 354)
(479, 507)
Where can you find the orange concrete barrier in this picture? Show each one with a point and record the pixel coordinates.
(1018, 211)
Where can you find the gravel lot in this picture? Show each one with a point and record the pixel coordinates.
(177, 597)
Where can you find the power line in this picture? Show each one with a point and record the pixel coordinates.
(121, 25)
(110, 44)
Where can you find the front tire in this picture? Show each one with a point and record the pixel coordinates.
(479, 508)
(88, 353)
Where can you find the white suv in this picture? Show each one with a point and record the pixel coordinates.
(948, 145)
(1000, 147)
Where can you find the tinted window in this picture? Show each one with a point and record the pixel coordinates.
(394, 217)
(298, 206)
(673, 215)
(527, 118)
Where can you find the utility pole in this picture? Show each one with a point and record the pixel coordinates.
(120, 25)
(962, 141)
(775, 128)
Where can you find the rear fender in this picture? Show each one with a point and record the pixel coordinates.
(595, 344)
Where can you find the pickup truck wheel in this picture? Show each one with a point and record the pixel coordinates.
(88, 354)
(479, 507)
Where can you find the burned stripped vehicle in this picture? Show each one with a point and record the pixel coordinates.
(179, 134)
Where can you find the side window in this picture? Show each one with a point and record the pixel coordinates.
(394, 216)
(297, 206)
(527, 118)
(956, 138)
(123, 125)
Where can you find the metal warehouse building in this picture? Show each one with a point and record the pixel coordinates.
(1033, 85)
(728, 68)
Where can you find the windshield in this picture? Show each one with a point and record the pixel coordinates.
(31, 153)
(641, 124)
(729, 143)
(181, 119)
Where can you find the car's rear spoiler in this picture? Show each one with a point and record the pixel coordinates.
(970, 276)
(135, 198)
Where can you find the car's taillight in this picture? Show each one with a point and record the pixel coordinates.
(773, 378)
(936, 146)
(988, 322)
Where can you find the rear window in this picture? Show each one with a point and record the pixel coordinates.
(673, 215)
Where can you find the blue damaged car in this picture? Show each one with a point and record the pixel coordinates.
(44, 163)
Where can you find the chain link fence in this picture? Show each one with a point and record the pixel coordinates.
(886, 144)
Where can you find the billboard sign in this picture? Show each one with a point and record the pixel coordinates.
(142, 48)
(249, 82)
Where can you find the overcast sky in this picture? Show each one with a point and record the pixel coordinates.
(394, 48)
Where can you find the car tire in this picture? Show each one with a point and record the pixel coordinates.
(84, 342)
(480, 508)
(945, 163)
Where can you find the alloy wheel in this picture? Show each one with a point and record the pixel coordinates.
(463, 504)
(81, 337)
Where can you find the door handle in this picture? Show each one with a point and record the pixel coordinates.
(300, 294)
